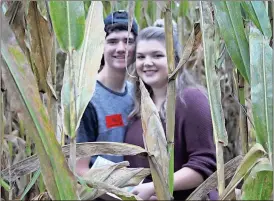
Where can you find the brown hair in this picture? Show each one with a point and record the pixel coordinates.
(183, 80)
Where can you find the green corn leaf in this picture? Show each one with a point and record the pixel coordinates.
(256, 11)
(87, 62)
(57, 176)
(261, 88)
(86, 6)
(107, 8)
(4, 185)
(183, 8)
(214, 91)
(228, 15)
(254, 155)
(68, 20)
(138, 11)
(259, 183)
(31, 183)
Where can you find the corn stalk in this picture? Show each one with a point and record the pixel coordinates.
(243, 115)
(213, 87)
(171, 92)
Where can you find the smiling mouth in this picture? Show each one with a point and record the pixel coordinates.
(149, 72)
(119, 57)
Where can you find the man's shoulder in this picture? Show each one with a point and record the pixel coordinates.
(130, 88)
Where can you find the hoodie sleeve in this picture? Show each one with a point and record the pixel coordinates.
(198, 131)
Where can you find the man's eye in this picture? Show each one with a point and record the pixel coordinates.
(112, 41)
(130, 41)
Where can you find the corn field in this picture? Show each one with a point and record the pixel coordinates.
(50, 54)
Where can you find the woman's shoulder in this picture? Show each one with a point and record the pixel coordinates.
(192, 95)
(194, 92)
(192, 100)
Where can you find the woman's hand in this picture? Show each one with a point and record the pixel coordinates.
(145, 191)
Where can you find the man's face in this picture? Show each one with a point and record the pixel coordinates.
(115, 49)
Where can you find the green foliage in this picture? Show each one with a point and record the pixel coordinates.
(31, 183)
(85, 76)
(229, 18)
(214, 91)
(251, 158)
(261, 89)
(68, 20)
(57, 175)
(259, 183)
(256, 11)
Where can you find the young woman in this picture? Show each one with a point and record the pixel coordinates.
(194, 158)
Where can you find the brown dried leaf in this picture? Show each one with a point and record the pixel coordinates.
(155, 142)
(117, 175)
(31, 163)
(162, 5)
(112, 189)
(16, 18)
(42, 196)
(192, 44)
(41, 46)
(98, 174)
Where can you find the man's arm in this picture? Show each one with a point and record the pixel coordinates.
(87, 132)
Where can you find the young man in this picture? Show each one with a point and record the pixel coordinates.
(105, 118)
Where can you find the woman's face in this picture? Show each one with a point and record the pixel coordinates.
(151, 63)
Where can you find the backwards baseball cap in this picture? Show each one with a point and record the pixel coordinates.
(120, 17)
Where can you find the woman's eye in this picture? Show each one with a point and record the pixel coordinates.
(140, 57)
(130, 41)
(159, 55)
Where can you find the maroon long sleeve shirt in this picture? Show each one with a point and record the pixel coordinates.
(193, 139)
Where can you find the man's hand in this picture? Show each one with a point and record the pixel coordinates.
(145, 191)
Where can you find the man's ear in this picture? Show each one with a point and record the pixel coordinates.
(102, 63)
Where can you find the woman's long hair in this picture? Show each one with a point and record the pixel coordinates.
(183, 80)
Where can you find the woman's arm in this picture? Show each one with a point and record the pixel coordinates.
(184, 179)
(187, 178)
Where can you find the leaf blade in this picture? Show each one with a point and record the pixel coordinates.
(214, 91)
(57, 175)
(31, 163)
(228, 15)
(90, 53)
(257, 13)
(259, 184)
(68, 20)
(250, 159)
(261, 89)
(156, 144)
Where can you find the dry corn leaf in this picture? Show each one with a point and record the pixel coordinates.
(31, 163)
(117, 175)
(155, 143)
(41, 45)
(112, 189)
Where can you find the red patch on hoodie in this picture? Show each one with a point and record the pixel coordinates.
(114, 120)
